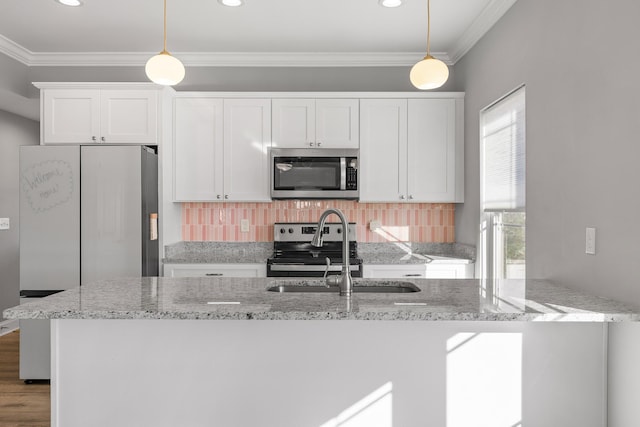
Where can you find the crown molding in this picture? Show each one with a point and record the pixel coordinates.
(15, 51)
(480, 26)
(217, 59)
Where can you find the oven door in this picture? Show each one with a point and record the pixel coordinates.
(283, 269)
(308, 173)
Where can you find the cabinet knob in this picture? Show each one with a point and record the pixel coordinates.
(318, 144)
(410, 197)
(226, 196)
(93, 138)
(102, 139)
(218, 197)
(402, 197)
(311, 144)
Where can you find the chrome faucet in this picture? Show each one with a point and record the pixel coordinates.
(344, 281)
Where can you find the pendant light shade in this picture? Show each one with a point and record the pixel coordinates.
(164, 69)
(430, 73)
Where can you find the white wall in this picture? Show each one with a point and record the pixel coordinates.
(579, 63)
(14, 132)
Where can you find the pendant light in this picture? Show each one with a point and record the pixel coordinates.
(430, 73)
(163, 68)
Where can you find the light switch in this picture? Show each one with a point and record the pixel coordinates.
(4, 224)
(244, 225)
(590, 244)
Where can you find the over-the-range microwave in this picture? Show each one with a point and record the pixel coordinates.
(307, 173)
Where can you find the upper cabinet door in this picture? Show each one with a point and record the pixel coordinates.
(247, 138)
(87, 116)
(431, 154)
(129, 116)
(383, 150)
(337, 123)
(198, 149)
(315, 123)
(293, 123)
(70, 116)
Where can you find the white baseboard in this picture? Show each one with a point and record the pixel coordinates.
(8, 326)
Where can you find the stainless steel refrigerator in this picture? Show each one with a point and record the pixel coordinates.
(86, 213)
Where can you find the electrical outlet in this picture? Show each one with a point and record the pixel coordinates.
(4, 224)
(590, 244)
(244, 225)
(374, 225)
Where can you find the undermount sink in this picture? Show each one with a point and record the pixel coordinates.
(379, 287)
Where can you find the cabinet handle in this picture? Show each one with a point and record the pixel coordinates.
(214, 274)
(413, 275)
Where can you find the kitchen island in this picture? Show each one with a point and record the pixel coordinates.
(225, 351)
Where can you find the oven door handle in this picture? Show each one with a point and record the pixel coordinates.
(302, 267)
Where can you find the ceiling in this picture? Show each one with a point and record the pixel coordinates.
(259, 33)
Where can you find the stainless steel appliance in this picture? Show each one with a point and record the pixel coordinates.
(295, 256)
(314, 173)
(86, 213)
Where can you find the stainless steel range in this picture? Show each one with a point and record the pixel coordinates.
(295, 256)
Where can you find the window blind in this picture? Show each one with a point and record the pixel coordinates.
(502, 132)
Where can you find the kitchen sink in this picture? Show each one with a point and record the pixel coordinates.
(378, 287)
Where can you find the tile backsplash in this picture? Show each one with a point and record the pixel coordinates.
(405, 222)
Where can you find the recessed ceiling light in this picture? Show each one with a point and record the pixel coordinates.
(390, 3)
(232, 3)
(69, 2)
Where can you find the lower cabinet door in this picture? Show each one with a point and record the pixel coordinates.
(215, 270)
(389, 271)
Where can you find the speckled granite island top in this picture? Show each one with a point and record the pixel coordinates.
(248, 298)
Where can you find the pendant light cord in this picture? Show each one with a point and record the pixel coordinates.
(164, 41)
(428, 28)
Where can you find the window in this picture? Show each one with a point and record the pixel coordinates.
(502, 188)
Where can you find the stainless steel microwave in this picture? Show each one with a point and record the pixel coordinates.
(307, 173)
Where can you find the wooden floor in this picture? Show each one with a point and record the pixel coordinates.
(21, 405)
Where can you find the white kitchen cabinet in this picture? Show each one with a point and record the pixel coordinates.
(215, 270)
(394, 271)
(197, 149)
(411, 150)
(433, 270)
(383, 150)
(110, 116)
(315, 123)
(247, 138)
(220, 149)
(450, 271)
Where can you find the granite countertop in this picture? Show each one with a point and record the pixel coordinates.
(218, 253)
(371, 253)
(248, 299)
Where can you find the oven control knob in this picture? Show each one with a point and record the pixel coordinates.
(291, 231)
(282, 231)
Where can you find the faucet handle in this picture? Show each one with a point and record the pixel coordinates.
(326, 271)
